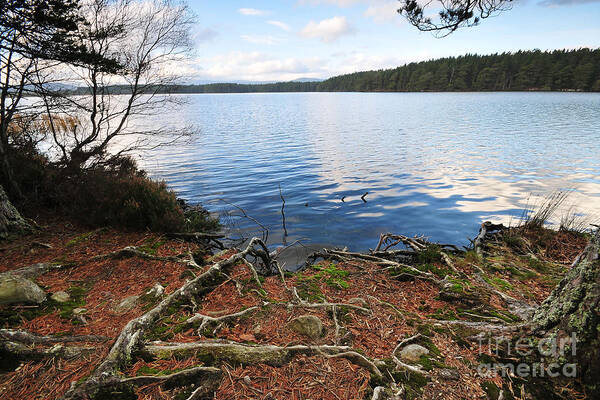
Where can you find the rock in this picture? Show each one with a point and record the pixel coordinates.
(413, 352)
(257, 331)
(60, 296)
(127, 304)
(449, 374)
(307, 325)
(16, 289)
(156, 291)
(358, 301)
(247, 380)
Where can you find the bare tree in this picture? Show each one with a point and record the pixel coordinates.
(30, 30)
(148, 39)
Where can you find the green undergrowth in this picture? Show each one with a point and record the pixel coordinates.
(83, 237)
(309, 286)
(151, 246)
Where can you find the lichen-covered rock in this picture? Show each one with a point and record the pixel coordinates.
(10, 219)
(307, 325)
(449, 374)
(60, 297)
(127, 304)
(156, 291)
(413, 352)
(17, 290)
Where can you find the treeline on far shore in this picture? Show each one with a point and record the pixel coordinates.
(535, 70)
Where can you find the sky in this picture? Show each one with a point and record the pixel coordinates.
(282, 40)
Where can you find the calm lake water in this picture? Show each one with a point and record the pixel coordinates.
(436, 164)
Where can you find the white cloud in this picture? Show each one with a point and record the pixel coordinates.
(261, 39)
(252, 11)
(383, 11)
(281, 25)
(261, 67)
(328, 30)
(255, 66)
(356, 62)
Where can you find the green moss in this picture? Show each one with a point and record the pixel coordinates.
(119, 392)
(413, 383)
(151, 246)
(520, 274)
(309, 285)
(444, 313)
(81, 238)
(145, 370)
(471, 256)
(428, 363)
(499, 283)
(458, 286)
(513, 241)
(77, 300)
(430, 255)
(332, 276)
(491, 390)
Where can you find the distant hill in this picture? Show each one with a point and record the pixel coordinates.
(308, 80)
(558, 70)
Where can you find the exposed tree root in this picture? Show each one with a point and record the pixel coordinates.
(181, 378)
(247, 354)
(20, 351)
(132, 251)
(519, 308)
(25, 337)
(205, 319)
(35, 270)
(207, 240)
(389, 240)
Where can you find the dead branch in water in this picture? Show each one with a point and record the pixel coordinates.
(487, 232)
(285, 232)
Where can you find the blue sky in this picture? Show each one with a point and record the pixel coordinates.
(280, 40)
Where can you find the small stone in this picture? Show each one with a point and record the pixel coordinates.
(307, 325)
(413, 352)
(359, 301)
(60, 296)
(257, 331)
(247, 380)
(449, 374)
(79, 310)
(127, 304)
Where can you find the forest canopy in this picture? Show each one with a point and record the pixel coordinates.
(573, 70)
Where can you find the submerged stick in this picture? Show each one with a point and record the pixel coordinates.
(285, 233)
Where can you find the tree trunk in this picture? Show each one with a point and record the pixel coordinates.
(572, 314)
(10, 220)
